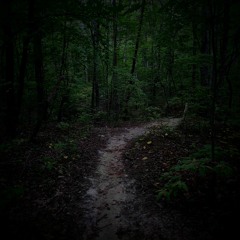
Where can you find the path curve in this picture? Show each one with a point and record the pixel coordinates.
(112, 191)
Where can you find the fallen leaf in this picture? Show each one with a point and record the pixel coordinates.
(149, 142)
(144, 158)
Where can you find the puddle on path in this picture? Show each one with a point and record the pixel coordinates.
(112, 190)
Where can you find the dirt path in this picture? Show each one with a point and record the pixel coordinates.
(112, 191)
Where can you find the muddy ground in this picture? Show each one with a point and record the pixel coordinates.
(102, 184)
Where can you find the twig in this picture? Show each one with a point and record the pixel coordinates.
(102, 217)
(105, 226)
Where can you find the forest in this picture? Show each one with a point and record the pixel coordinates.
(141, 96)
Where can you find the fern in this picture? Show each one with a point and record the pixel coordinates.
(199, 166)
(172, 189)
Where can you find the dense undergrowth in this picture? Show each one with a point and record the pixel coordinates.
(174, 166)
(42, 182)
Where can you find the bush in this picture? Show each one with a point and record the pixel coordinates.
(196, 173)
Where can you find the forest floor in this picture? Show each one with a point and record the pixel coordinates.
(102, 183)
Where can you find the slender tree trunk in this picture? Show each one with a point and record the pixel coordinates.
(134, 61)
(113, 91)
(154, 79)
(22, 74)
(214, 78)
(24, 60)
(107, 62)
(233, 57)
(194, 53)
(9, 91)
(224, 43)
(225, 65)
(39, 77)
(205, 47)
(95, 85)
(63, 71)
(171, 82)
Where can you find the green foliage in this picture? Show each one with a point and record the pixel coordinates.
(199, 101)
(11, 145)
(85, 118)
(164, 63)
(63, 126)
(197, 166)
(100, 117)
(175, 102)
(166, 130)
(172, 189)
(197, 125)
(49, 163)
(65, 147)
(223, 170)
(152, 113)
(220, 153)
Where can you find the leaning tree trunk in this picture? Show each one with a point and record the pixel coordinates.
(134, 60)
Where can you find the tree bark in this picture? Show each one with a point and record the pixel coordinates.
(63, 71)
(9, 91)
(39, 78)
(214, 77)
(224, 43)
(95, 85)
(205, 47)
(138, 39)
(24, 59)
(194, 53)
(113, 92)
(134, 60)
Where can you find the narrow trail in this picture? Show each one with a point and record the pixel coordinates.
(112, 191)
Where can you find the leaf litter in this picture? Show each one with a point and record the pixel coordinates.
(97, 187)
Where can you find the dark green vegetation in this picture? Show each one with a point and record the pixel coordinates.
(69, 66)
(175, 168)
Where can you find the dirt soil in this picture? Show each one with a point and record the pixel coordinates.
(101, 184)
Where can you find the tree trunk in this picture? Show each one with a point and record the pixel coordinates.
(194, 53)
(224, 43)
(63, 71)
(113, 90)
(24, 60)
(39, 77)
(95, 85)
(205, 48)
(9, 92)
(134, 61)
(214, 77)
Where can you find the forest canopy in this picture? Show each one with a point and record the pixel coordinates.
(102, 98)
(103, 61)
